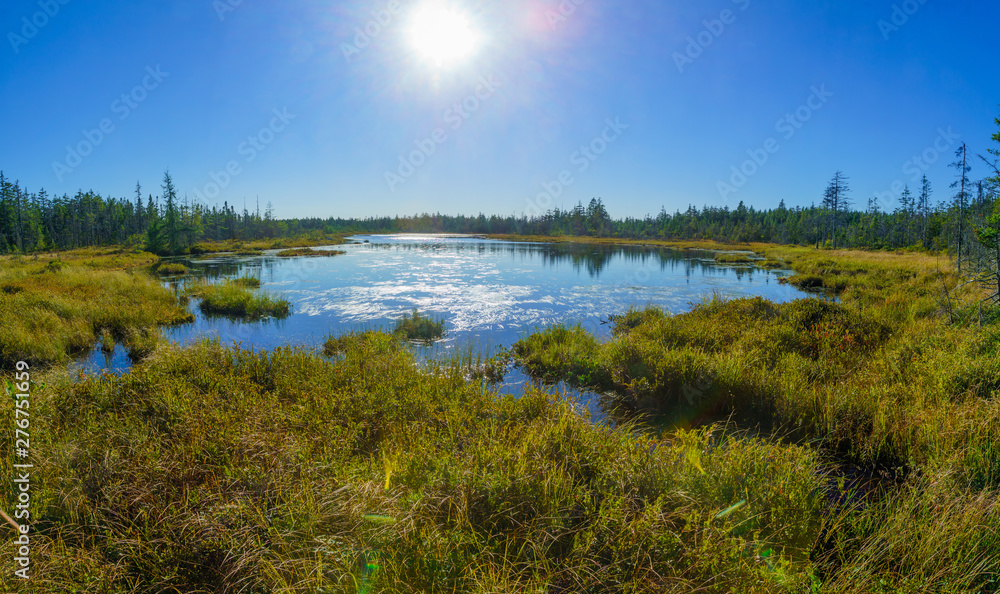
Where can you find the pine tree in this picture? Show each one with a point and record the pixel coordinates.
(835, 201)
(171, 226)
(904, 217)
(961, 200)
(924, 209)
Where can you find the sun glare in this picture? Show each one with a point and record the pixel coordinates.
(441, 35)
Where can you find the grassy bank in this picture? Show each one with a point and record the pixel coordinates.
(216, 469)
(887, 381)
(55, 306)
(288, 472)
(238, 298)
(309, 253)
(254, 247)
(817, 447)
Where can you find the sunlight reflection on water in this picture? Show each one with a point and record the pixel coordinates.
(491, 293)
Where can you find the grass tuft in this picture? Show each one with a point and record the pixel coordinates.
(419, 328)
(172, 269)
(309, 253)
(235, 299)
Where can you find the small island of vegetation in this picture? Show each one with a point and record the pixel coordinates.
(238, 299)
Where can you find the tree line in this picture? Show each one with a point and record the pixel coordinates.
(964, 221)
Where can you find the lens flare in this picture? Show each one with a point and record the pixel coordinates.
(441, 35)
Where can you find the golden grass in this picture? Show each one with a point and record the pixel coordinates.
(52, 309)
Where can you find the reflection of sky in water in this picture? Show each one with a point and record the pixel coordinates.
(491, 293)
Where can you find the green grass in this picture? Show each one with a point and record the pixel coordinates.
(236, 299)
(885, 380)
(217, 469)
(172, 269)
(54, 309)
(814, 447)
(309, 253)
(420, 328)
(247, 282)
(734, 258)
(253, 247)
(879, 378)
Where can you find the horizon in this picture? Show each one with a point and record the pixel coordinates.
(390, 108)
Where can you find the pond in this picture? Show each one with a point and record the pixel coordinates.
(491, 293)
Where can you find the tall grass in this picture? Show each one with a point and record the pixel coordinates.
(884, 380)
(216, 469)
(864, 458)
(54, 307)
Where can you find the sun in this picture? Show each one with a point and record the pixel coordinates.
(441, 35)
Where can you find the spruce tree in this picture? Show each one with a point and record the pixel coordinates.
(171, 225)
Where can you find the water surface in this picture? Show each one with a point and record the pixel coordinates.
(491, 293)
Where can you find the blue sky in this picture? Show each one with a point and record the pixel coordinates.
(669, 97)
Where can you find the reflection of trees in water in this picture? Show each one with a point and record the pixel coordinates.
(222, 267)
(594, 259)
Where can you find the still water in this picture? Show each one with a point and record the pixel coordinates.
(491, 293)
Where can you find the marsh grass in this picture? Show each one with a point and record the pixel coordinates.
(216, 469)
(238, 299)
(254, 247)
(220, 469)
(734, 258)
(52, 309)
(249, 252)
(884, 379)
(247, 282)
(418, 327)
(309, 253)
(172, 269)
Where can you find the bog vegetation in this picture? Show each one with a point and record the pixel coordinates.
(238, 298)
(419, 327)
(846, 443)
(816, 446)
(54, 306)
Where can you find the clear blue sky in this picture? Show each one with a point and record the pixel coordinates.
(226, 66)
